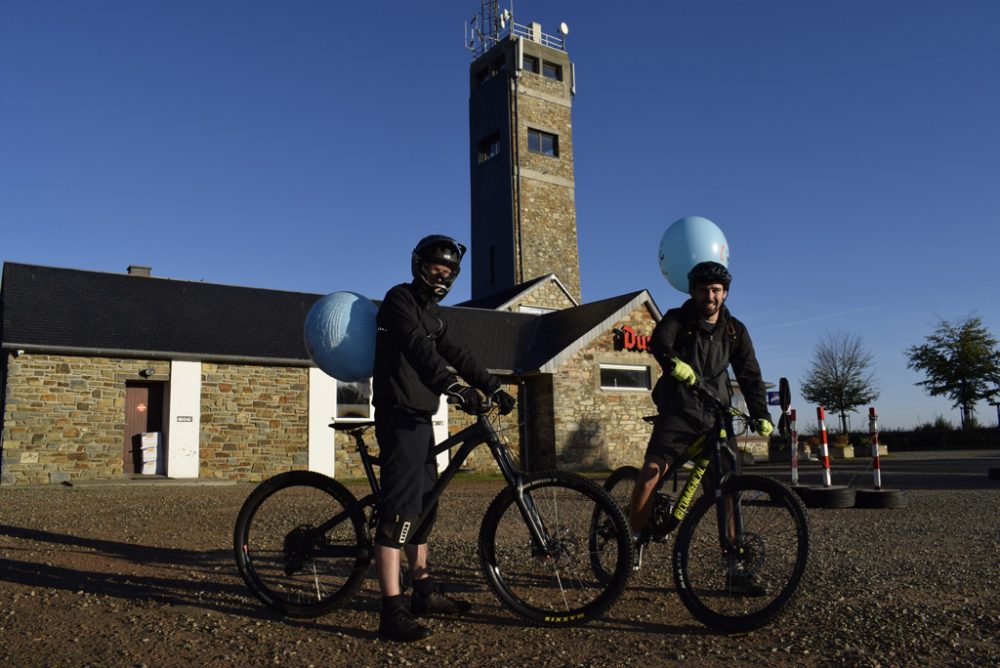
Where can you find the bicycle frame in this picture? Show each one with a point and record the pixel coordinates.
(469, 438)
(726, 510)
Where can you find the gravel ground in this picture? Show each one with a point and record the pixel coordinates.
(141, 574)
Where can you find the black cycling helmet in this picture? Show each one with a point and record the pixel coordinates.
(704, 273)
(436, 249)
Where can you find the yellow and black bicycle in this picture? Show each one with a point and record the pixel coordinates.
(741, 547)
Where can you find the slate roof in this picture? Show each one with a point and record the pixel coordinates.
(114, 313)
(88, 312)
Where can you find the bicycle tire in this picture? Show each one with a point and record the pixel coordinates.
(557, 587)
(619, 486)
(290, 569)
(776, 551)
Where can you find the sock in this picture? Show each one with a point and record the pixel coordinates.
(392, 603)
(423, 587)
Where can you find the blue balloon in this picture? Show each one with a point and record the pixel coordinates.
(340, 335)
(687, 242)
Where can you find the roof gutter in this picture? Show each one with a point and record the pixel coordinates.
(174, 355)
(156, 354)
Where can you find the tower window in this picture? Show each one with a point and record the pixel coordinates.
(552, 71)
(543, 142)
(530, 64)
(489, 147)
(490, 71)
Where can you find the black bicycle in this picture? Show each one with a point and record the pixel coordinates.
(741, 552)
(303, 543)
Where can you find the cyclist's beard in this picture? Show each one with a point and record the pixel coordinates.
(709, 308)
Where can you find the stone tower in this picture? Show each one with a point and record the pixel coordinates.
(521, 155)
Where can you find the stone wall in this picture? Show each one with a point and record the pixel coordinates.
(548, 294)
(595, 428)
(254, 421)
(547, 235)
(64, 416)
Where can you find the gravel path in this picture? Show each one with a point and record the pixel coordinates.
(141, 575)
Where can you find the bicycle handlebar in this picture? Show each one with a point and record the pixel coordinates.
(701, 388)
(486, 405)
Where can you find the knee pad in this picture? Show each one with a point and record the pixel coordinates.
(395, 530)
(419, 536)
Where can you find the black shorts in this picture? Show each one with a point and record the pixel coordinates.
(668, 444)
(408, 466)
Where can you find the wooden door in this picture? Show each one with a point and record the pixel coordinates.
(143, 413)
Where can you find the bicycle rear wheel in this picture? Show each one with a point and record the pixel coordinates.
(603, 535)
(555, 584)
(285, 561)
(774, 545)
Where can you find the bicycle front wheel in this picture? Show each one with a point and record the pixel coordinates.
(603, 534)
(285, 560)
(770, 528)
(554, 584)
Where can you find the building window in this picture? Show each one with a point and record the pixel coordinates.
(489, 147)
(535, 310)
(530, 64)
(543, 142)
(354, 401)
(490, 71)
(625, 377)
(552, 71)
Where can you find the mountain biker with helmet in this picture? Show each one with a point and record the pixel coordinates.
(700, 339)
(413, 351)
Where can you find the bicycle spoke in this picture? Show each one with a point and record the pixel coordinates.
(744, 590)
(284, 560)
(554, 582)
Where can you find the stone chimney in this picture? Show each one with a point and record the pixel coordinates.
(136, 270)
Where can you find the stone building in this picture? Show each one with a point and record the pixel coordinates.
(218, 380)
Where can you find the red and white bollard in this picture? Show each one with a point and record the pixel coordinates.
(824, 447)
(795, 446)
(873, 430)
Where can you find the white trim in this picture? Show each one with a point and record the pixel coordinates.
(439, 421)
(600, 328)
(184, 420)
(322, 405)
(625, 367)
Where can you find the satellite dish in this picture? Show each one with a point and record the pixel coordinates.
(564, 29)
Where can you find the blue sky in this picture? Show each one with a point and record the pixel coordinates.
(849, 150)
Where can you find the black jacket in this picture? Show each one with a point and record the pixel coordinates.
(413, 349)
(683, 333)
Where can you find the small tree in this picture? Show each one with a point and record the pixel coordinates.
(839, 378)
(961, 362)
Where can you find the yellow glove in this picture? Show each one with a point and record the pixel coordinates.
(764, 428)
(683, 371)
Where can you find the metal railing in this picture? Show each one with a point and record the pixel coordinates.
(479, 42)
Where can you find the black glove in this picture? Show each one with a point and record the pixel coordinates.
(504, 401)
(467, 398)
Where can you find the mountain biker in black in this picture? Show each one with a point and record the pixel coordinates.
(701, 339)
(413, 350)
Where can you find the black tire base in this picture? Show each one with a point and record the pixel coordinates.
(834, 496)
(879, 498)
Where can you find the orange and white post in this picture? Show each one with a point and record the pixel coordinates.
(873, 430)
(795, 446)
(825, 452)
